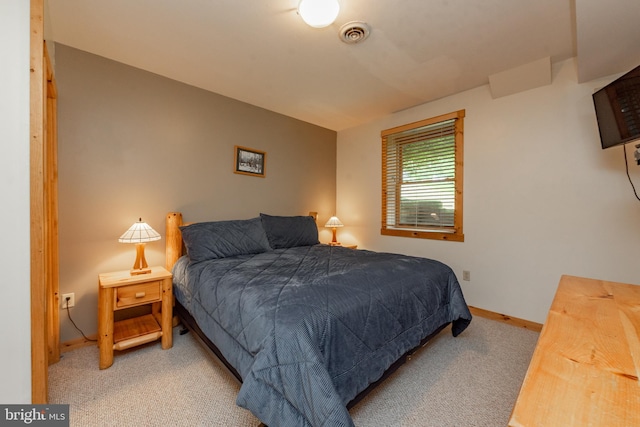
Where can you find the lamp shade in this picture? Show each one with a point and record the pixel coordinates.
(334, 222)
(139, 232)
(319, 13)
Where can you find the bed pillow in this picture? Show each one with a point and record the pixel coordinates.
(221, 239)
(290, 231)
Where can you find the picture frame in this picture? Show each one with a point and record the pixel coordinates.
(248, 161)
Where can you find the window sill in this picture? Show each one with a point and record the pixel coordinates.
(424, 234)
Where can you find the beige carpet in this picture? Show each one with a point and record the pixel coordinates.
(472, 380)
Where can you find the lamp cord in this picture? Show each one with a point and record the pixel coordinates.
(626, 165)
(76, 326)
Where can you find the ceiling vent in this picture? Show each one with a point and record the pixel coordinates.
(354, 32)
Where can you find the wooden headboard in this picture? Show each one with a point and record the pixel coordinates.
(174, 247)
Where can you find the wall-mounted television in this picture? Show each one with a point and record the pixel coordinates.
(618, 110)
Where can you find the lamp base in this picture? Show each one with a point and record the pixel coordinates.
(136, 271)
(335, 244)
(140, 266)
(334, 241)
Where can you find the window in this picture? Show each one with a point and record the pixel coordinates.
(422, 179)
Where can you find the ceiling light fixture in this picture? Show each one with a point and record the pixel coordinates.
(318, 13)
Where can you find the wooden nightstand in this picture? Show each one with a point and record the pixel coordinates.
(344, 246)
(119, 290)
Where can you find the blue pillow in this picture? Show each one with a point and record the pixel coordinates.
(221, 239)
(290, 231)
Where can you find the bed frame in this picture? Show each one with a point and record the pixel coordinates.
(175, 249)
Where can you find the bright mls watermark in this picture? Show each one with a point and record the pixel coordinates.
(37, 415)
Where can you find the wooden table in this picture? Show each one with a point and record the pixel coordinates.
(120, 290)
(585, 368)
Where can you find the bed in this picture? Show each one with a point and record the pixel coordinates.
(307, 328)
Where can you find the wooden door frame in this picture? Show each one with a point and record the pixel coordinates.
(39, 347)
(52, 255)
(43, 210)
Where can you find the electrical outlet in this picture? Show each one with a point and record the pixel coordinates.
(466, 275)
(72, 300)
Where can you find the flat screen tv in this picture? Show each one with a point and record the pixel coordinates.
(617, 108)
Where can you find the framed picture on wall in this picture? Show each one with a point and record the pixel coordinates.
(249, 161)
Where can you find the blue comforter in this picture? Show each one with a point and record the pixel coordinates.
(310, 327)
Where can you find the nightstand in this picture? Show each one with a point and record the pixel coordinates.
(120, 290)
(344, 246)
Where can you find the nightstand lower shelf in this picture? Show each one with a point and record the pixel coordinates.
(132, 332)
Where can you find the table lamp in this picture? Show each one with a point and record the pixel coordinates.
(334, 223)
(139, 233)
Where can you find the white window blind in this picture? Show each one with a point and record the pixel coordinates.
(421, 176)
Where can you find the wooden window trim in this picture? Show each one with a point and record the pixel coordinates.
(456, 232)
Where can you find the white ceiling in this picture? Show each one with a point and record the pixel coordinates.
(262, 53)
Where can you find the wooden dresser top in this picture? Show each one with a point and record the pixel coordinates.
(584, 370)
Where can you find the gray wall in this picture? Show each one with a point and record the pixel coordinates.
(134, 144)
